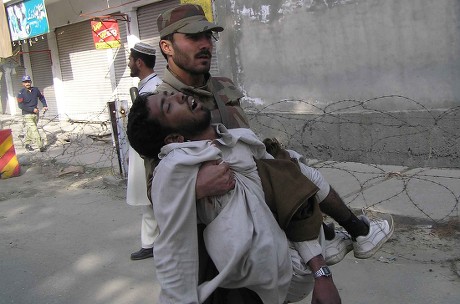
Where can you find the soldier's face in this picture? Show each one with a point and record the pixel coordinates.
(193, 52)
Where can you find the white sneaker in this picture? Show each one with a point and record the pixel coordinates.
(337, 248)
(380, 230)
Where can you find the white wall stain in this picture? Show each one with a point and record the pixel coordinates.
(290, 5)
(262, 14)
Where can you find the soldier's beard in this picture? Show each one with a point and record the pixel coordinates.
(185, 62)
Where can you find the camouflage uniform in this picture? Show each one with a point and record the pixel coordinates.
(225, 88)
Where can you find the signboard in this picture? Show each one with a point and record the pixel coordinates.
(5, 41)
(105, 34)
(205, 4)
(27, 19)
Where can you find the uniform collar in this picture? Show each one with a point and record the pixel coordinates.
(173, 81)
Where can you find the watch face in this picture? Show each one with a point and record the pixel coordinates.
(326, 271)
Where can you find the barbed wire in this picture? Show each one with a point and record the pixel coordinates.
(91, 144)
(353, 130)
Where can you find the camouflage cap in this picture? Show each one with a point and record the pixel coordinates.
(186, 19)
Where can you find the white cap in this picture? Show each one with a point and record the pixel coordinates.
(144, 48)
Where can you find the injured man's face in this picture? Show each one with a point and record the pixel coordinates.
(179, 112)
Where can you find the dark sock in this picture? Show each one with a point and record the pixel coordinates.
(334, 206)
(329, 232)
(354, 226)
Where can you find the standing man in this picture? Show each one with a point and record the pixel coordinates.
(141, 63)
(28, 102)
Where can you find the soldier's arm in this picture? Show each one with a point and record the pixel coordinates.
(231, 96)
(236, 117)
(214, 178)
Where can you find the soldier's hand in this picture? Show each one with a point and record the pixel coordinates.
(214, 178)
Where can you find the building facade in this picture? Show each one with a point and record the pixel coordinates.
(76, 78)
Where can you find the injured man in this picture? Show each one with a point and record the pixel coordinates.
(245, 237)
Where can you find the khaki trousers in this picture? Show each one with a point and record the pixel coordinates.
(32, 135)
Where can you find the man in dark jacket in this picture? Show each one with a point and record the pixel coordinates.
(28, 102)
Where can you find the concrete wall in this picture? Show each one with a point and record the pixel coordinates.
(331, 58)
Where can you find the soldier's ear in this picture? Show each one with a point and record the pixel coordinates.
(174, 138)
(166, 47)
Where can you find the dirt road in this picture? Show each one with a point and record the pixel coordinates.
(67, 233)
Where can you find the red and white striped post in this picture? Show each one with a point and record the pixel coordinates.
(9, 166)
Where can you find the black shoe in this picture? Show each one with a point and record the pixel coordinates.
(29, 147)
(42, 149)
(144, 253)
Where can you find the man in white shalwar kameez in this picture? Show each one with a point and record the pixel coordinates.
(242, 236)
(141, 64)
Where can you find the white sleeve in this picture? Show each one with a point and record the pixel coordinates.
(314, 175)
(176, 247)
(308, 249)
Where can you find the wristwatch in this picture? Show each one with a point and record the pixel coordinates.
(322, 272)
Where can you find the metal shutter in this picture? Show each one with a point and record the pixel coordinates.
(16, 79)
(85, 72)
(148, 32)
(4, 106)
(120, 60)
(40, 60)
